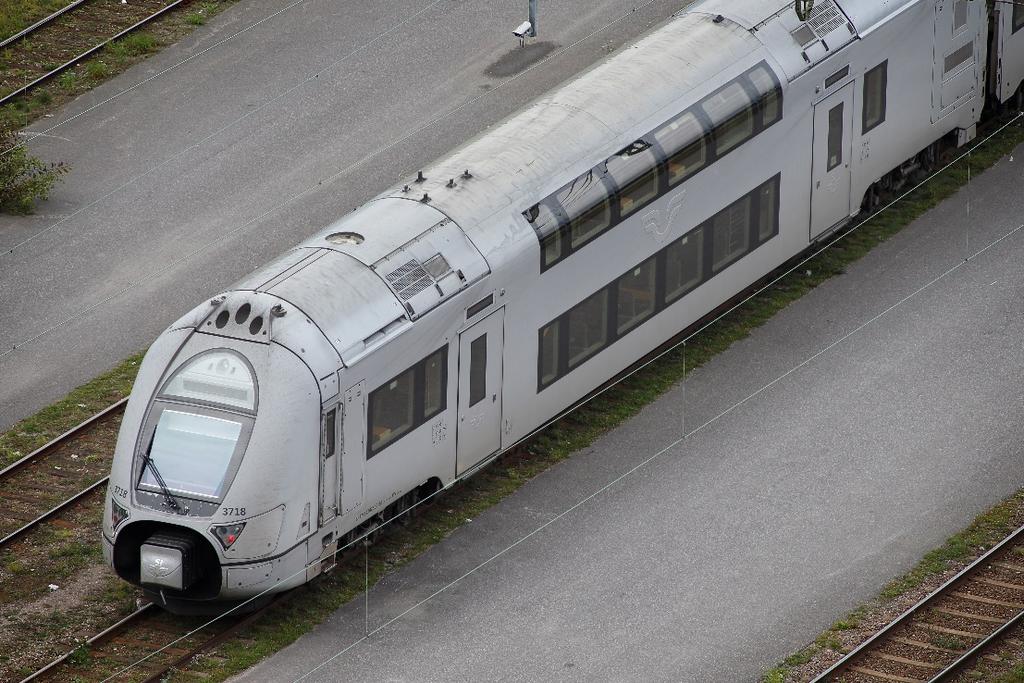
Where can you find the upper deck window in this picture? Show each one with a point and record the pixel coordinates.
(619, 187)
(220, 377)
(685, 144)
(732, 114)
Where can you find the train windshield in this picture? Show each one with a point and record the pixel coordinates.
(191, 453)
(199, 427)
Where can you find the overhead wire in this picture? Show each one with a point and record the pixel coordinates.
(641, 465)
(231, 124)
(633, 371)
(160, 73)
(326, 181)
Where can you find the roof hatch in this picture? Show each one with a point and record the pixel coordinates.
(431, 267)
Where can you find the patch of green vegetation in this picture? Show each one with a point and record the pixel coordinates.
(24, 179)
(17, 15)
(987, 530)
(67, 80)
(80, 655)
(132, 45)
(1015, 675)
(948, 642)
(97, 70)
(16, 567)
(54, 420)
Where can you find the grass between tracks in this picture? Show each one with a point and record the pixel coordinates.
(313, 603)
(114, 59)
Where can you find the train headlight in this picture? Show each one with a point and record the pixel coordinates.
(227, 534)
(117, 514)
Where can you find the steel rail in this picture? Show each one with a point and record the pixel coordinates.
(88, 53)
(216, 639)
(63, 437)
(52, 511)
(149, 606)
(915, 609)
(39, 24)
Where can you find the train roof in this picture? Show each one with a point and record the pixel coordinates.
(414, 246)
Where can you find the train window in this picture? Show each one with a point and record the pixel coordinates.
(730, 233)
(588, 327)
(549, 349)
(222, 377)
(330, 432)
(477, 369)
(875, 82)
(636, 174)
(768, 210)
(636, 296)
(732, 114)
(392, 410)
(407, 401)
(1018, 17)
(771, 99)
(586, 205)
(684, 142)
(434, 383)
(835, 136)
(959, 57)
(194, 452)
(683, 265)
(545, 219)
(959, 15)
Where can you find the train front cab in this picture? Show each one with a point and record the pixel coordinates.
(213, 502)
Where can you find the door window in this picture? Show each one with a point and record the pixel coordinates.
(835, 136)
(477, 370)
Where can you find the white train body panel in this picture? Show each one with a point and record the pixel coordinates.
(415, 339)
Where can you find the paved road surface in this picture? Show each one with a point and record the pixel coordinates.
(739, 545)
(138, 236)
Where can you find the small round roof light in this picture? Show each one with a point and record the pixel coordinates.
(345, 238)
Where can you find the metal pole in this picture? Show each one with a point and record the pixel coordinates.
(533, 18)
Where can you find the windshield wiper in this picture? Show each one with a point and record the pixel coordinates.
(151, 464)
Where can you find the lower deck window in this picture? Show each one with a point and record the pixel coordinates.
(730, 233)
(407, 401)
(683, 265)
(588, 328)
(391, 410)
(636, 296)
(659, 281)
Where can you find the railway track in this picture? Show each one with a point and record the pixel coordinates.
(72, 467)
(144, 634)
(64, 38)
(945, 633)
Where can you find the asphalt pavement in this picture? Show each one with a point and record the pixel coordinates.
(186, 183)
(853, 432)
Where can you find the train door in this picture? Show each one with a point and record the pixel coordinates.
(330, 470)
(833, 135)
(353, 447)
(479, 402)
(1008, 69)
(955, 67)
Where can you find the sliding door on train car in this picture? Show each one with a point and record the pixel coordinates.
(830, 163)
(480, 375)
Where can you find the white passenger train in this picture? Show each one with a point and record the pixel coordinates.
(406, 345)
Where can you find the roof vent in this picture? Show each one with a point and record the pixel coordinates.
(825, 18)
(409, 279)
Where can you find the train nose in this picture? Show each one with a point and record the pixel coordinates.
(168, 560)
